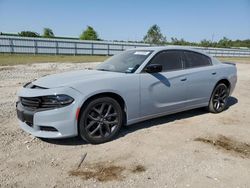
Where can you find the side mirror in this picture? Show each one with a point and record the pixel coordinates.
(153, 68)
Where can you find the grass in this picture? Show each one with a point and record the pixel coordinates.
(15, 59)
(228, 145)
(235, 59)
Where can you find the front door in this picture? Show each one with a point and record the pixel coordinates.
(165, 91)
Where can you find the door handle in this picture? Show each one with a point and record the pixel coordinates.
(183, 79)
(213, 73)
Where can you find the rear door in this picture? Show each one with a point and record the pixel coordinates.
(201, 77)
(164, 91)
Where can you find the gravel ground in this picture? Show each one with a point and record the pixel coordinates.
(189, 149)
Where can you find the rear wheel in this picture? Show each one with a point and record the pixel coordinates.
(218, 101)
(101, 120)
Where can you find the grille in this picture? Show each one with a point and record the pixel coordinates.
(47, 128)
(31, 102)
(29, 124)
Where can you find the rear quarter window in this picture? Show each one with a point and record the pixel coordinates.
(193, 59)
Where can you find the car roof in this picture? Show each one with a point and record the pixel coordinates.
(170, 47)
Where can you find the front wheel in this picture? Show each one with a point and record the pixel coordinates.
(218, 101)
(101, 120)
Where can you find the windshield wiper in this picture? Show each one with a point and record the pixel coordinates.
(109, 70)
(103, 69)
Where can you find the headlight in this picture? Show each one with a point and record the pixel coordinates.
(49, 101)
(55, 101)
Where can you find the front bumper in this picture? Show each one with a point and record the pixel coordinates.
(51, 123)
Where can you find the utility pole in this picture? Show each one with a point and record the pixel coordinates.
(212, 38)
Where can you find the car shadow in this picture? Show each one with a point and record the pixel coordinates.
(170, 118)
(231, 101)
(162, 79)
(142, 125)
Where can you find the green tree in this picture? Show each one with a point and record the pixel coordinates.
(222, 43)
(175, 41)
(48, 33)
(206, 43)
(154, 36)
(28, 34)
(225, 43)
(89, 34)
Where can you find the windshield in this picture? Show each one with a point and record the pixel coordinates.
(126, 62)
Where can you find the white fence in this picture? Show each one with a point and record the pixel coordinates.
(225, 52)
(11, 44)
(62, 46)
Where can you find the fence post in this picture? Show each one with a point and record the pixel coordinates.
(75, 49)
(11, 46)
(57, 50)
(92, 48)
(35, 46)
(108, 49)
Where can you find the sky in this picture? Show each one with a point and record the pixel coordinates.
(193, 20)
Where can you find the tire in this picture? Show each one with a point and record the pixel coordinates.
(100, 120)
(219, 98)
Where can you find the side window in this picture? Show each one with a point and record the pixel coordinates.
(170, 60)
(193, 59)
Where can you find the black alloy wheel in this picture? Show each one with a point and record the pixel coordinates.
(218, 101)
(101, 120)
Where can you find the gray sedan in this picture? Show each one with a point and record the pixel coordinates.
(130, 87)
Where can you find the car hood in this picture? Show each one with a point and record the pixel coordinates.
(70, 78)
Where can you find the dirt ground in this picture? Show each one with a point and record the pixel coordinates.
(189, 149)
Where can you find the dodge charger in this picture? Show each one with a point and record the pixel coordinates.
(130, 87)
